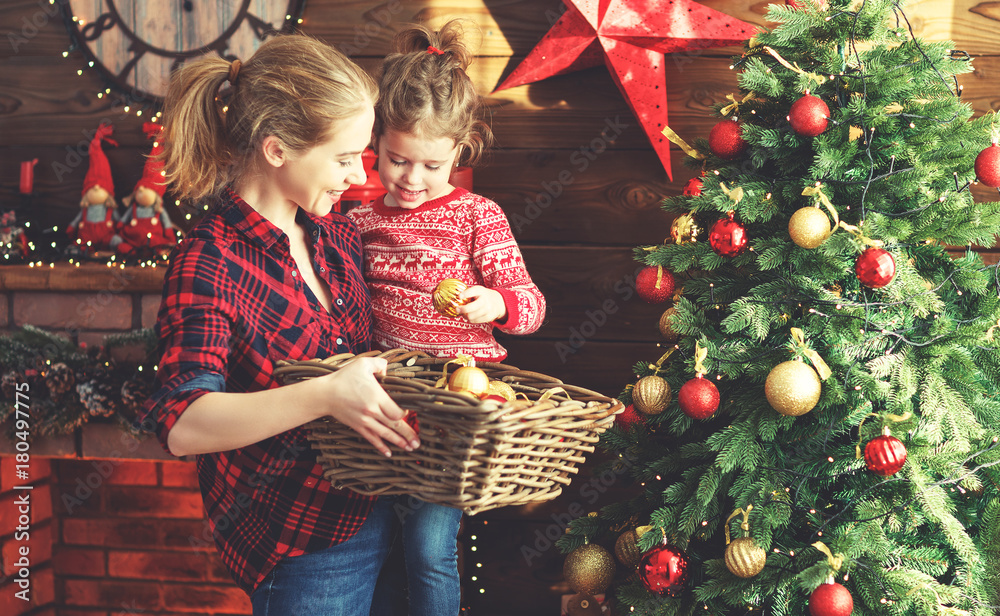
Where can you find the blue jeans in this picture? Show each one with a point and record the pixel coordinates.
(338, 581)
(430, 551)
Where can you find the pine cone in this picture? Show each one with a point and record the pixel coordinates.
(97, 398)
(134, 394)
(60, 380)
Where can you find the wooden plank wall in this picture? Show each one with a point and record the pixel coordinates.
(576, 234)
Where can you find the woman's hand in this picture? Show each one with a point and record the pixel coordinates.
(356, 399)
(485, 305)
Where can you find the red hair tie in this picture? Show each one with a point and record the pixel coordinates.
(433, 49)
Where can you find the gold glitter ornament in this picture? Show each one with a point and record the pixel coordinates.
(445, 296)
(666, 328)
(651, 394)
(469, 379)
(744, 558)
(685, 229)
(627, 549)
(583, 605)
(499, 388)
(589, 569)
(792, 388)
(809, 227)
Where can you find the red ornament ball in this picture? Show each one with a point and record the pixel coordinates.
(699, 398)
(693, 187)
(728, 237)
(988, 166)
(831, 600)
(875, 268)
(654, 285)
(628, 418)
(809, 116)
(726, 140)
(885, 455)
(664, 570)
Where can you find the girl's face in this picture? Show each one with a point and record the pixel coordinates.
(316, 178)
(415, 169)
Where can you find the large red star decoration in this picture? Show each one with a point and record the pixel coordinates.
(630, 36)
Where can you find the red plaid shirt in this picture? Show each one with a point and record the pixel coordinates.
(233, 305)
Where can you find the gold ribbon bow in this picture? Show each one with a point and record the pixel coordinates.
(551, 392)
(700, 353)
(460, 360)
(745, 524)
(659, 363)
(817, 192)
(836, 562)
(734, 106)
(861, 236)
(819, 79)
(800, 341)
(885, 429)
(683, 145)
(736, 194)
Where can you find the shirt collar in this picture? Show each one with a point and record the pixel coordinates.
(260, 230)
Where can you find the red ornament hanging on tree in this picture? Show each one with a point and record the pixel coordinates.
(630, 38)
(726, 140)
(628, 418)
(831, 599)
(875, 268)
(809, 116)
(693, 188)
(988, 166)
(654, 285)
(664, 569)
(699, 398)
(728, 237)
(885, 455)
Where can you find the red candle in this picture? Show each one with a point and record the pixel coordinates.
(28, 176)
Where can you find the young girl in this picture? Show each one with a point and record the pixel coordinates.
(270, 274)
(425, 230)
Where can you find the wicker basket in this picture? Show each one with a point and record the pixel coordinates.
(473, 455)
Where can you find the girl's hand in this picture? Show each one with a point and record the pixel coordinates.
(357, 400)
(485, 305)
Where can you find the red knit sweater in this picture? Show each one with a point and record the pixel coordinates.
(409, 251)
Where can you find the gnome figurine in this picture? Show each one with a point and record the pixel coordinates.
(94, 226)
(145, 228)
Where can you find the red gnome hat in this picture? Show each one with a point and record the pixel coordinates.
(152, 173)
(99, 171)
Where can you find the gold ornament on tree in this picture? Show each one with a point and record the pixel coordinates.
(809, 227)
(589, 569)
(445, 296)
(743, 557)
(627, 547)
(666, 328)
(651, 394)
(685, 229)
(792, 387)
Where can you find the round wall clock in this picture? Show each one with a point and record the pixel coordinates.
(137, 43)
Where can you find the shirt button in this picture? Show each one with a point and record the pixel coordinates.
(294, 274)
(310, 482)
(340, 341)
(322, 269)
(340, 302)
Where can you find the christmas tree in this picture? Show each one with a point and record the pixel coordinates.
(832, 445)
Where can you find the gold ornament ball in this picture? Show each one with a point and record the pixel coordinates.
(792, 388)
(583, 605)
(627, 549)
(589, 569)
(445, 296)
(744, 558)
(499, 388)
(469, 379)
(666, 328)
(809, 227)
(651, 394)
(685, 229)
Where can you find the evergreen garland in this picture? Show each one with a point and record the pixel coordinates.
(919, 356)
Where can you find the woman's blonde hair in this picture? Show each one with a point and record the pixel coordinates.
(425, 90)
(293, 87)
